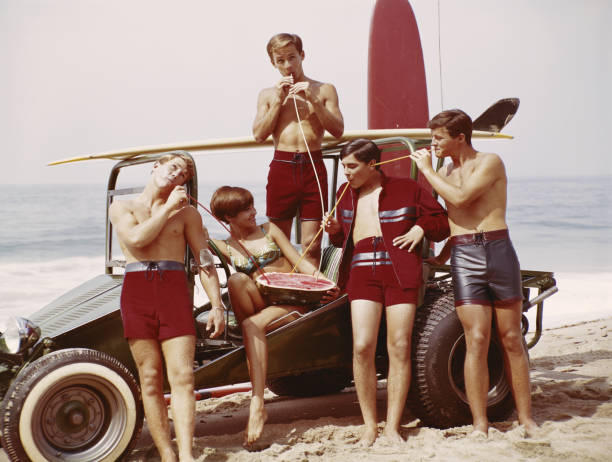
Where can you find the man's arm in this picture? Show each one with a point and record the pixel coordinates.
(269, 103)
(489, 170)
(325, 105)
(138, 235)
(443, 256)
(431, 216)
(197, 237)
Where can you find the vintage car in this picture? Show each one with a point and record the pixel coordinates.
(68, 381)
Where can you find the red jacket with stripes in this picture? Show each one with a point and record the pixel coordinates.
(402, 204)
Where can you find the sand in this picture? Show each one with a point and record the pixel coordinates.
(571, 371)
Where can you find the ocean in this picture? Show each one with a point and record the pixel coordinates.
(52, 236)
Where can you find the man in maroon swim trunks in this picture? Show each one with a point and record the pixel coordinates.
(156, 307)
(292, 184)
(380, 224)
(484, 266)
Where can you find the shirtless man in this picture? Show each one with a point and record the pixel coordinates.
(291, 181)
(382, 223)
(156, 308)
(485, 269)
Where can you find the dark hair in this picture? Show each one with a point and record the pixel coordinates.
(363, 149)
(456, 122)
(282, 40)
(229, 201)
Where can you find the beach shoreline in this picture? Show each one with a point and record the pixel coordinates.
(571, 373)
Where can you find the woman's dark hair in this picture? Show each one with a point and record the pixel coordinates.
(228, 201)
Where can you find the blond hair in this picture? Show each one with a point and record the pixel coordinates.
(183, 155)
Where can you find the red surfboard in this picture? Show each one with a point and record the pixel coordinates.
(397, 88)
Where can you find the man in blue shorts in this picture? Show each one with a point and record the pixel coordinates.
(485, 269)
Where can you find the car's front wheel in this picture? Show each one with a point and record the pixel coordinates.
(72, 405)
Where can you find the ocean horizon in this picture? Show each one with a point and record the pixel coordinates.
(52, 236)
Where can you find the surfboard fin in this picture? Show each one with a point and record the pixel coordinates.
(497, 116)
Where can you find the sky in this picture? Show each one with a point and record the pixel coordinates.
(86, 76)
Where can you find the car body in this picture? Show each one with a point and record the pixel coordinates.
(68, 380)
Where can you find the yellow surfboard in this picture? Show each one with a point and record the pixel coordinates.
(248, 142)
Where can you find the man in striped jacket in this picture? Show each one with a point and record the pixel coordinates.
(380, 223)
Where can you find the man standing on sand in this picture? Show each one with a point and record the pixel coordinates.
(382, 223)
(484, 266)
(156, 308)
(292, 184)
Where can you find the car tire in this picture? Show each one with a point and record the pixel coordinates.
(437, 393)
(314, 383)
(72, 405)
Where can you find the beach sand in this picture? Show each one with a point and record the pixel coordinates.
(571, 372)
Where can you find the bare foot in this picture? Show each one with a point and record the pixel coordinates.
(368, 437)
(482, 427)
(531, 428)
(257, 419)
(478, 435)
(392, 437)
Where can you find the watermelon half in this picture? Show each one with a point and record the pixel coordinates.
(292, 288)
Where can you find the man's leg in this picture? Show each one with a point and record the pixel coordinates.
(517, 363)
(365, 319)
(256, 346)
(310, 228)
(179, 353)
(400, 320)
(476, 321)
(147, 356)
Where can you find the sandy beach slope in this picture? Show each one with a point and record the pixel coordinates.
(571, 370)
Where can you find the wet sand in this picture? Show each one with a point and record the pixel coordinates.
(571, 371)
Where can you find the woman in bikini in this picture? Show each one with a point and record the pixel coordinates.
(273, 252)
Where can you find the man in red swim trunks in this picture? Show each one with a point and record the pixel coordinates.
(156, 307)
(485, 269)
(380, 224)
(292, 184)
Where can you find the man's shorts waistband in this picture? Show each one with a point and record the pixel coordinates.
(162, 265)
(479, 238)
(297, 157)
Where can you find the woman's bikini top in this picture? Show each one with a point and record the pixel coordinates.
(269, 253)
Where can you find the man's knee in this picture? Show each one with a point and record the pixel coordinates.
(512, 341)
(363, 350)
(150, 380)
(399, 349)
(180, 377)
(477, 342)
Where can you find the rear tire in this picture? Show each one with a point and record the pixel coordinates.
(72, 405)
(437, 394)
(314, 383)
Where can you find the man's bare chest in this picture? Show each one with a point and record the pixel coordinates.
(173, 226)
(367, 207)
(305, 111)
